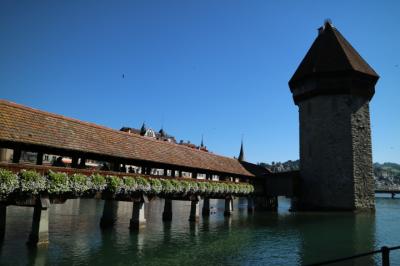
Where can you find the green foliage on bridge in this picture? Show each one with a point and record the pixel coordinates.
(29, 182)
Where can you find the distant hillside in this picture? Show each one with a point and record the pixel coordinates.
(277, 167)
(386, 174)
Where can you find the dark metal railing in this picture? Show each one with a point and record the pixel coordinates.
(384, 250)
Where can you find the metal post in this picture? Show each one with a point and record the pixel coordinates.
(385, 256)
(16, 156)
(74, 163)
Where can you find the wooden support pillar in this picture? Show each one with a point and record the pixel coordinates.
(167, 213)
(173, 173)
(115, 166)
(180, 173)
(74, 163)
(194, 175)
(148, 170)
(138, 219)
(228, 206)
(194, 211)
(16, 155)
(39, 158)
(82, 163)
(3, 219)
(39, 235)
(110, 211)
(206, 207)
(165, 172)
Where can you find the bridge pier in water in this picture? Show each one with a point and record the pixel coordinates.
(167, 213)
(228, 206)
(138, 219)
(110, 211)
(194, 211)
(39, 235)
(266, 203)
(206, 207)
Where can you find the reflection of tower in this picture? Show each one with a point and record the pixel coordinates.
(339, 235)
(332, 88)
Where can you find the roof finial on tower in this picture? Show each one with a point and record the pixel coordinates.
(328, 21)
(241, 153)
(202, 144)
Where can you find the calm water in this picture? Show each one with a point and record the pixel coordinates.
(281, 238)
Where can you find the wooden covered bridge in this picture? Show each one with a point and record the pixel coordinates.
(26, 129)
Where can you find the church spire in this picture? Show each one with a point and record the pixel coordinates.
(241, 153)
(202, 143)
(143, 129)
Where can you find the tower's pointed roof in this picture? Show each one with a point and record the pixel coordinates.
(241, 153)
(331, 53)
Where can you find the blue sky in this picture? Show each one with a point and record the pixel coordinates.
(217, 68)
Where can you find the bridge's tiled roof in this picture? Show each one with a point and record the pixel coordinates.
(20, 124)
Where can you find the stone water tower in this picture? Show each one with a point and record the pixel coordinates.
(332, 88)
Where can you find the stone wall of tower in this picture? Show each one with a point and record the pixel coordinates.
(364, 184)
(335, 153)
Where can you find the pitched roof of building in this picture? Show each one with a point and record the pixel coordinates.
(255, 169)
(331, 52)
(20, 124)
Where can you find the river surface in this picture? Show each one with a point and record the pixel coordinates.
(262, 238)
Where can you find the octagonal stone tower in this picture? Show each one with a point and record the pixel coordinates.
(332, 88)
